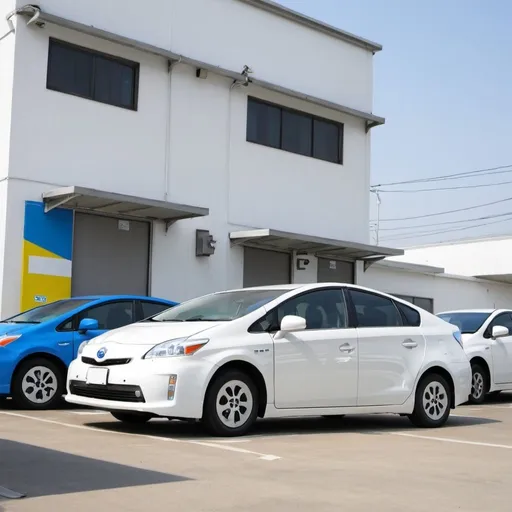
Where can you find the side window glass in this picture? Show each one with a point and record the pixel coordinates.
(110, 316)
(322, 309)
(504, 320)
(68, 326)
(374, 310)
(152, 308)
(412, 317)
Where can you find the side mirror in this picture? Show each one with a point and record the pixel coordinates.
(498, 331)
(291, 323)
(88, 324)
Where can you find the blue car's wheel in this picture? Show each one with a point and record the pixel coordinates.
(38, 384)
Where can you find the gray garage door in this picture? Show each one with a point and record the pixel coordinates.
(109, 256)
(333, 271)
(262, 268)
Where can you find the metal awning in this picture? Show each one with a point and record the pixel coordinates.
(272, 239)
(110, 203)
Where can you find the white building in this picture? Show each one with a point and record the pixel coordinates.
(129, 136)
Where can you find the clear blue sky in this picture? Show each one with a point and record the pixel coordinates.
(444, 84)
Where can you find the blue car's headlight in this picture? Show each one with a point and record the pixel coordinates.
(6, 340)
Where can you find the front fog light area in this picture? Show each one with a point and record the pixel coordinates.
(171, 388)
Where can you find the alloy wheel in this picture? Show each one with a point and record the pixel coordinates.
(477, 385)
(435, 400)
(39, 385)
(234, 404)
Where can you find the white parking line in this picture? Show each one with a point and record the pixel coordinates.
(455, 441)
(218, 446)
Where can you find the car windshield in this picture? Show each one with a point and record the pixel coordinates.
(47, 312)
(218, 307)
(468, 323)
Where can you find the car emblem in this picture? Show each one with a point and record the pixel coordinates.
(101, 353)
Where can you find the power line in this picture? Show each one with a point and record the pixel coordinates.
(447, 211)
(475, 219)
(445, 188)
(432, 233)
(459, 175)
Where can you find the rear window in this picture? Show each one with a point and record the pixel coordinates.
(411, 316)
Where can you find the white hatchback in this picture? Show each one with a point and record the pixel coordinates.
(293, 350)
(487, 340)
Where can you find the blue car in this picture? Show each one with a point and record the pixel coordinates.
(37, 346)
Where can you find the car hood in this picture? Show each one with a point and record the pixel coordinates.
(152, 333)
(7, 328)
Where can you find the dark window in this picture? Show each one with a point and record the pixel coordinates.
(110, 316)
(322, 309)
(152, 308)
(297, 130)
(264, 124)
(92, 75)
(412, 317)
(503, 320)
(294, 131)
(468, 323)
(421, 302)
(327, 141)
(374, 310)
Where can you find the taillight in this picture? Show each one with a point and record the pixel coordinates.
(458, 337)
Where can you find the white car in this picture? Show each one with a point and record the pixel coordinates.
(291, 350)
(487, 342)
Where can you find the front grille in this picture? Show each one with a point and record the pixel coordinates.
(115, 392)
(107, 362)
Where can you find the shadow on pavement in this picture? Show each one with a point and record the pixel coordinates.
(38, 472)
(364, 424)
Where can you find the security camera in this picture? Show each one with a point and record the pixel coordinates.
(246, 71)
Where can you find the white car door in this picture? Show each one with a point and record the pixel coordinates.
(391, 353)
(316, 367)
(501, 349)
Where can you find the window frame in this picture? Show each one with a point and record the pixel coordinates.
(95, 53)
(339, 125)
(413, 298)
(273, 328)
(74, 318)
(354, 312)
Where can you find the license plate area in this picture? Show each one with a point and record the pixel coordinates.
(97, 376)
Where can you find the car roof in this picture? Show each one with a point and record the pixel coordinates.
(110, 297)
(487, 311)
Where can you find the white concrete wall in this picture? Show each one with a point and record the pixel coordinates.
(448, 291)
(231, 34)
(7, 48)
(471, 258)
(60, 140)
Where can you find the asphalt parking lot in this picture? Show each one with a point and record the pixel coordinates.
(81, 460)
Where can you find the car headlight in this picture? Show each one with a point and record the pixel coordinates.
(5, 340)
(82, 346)
(175, 348)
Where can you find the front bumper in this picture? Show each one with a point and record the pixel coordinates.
(142, 386)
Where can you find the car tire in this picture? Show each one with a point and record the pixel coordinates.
(231, 404)
(432, 403)
(132, 418)
(38, 384)
(479, 384)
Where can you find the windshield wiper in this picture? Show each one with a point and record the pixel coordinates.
(18, 322)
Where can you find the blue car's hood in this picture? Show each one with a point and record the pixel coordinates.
(6, 328)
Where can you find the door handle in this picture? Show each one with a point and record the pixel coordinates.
(346, 348)
(409, 344)
(64, 343)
